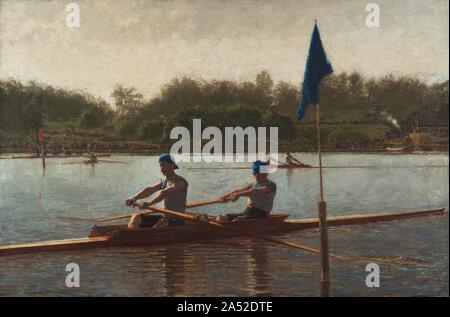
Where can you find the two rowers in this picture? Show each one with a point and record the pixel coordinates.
(172, 190)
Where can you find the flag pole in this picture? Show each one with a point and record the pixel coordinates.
(319, 152)
(317, 67)
(322, 210)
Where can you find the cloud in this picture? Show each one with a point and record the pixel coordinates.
(146, 43)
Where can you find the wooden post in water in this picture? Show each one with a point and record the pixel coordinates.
(43, 154)
(41, 140)
(322, 210)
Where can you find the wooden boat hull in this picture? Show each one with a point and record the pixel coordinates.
(119, 236)
(55, 245)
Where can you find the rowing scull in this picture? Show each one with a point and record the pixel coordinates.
(119, 236)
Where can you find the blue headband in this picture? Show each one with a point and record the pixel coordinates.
(256, 165)
(167, 158)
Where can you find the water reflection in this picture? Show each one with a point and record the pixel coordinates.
(258, 268)
(244, 267)
(186, 269)
(173, 270)
(289, 174)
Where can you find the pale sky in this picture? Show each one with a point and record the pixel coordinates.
(146, 43)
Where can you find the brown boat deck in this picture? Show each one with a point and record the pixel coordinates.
(55, 245)
(367, 218)
(114, 236)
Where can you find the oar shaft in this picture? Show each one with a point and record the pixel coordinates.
(125, 216)
(233, 229)
(203, 203)
(191, 205)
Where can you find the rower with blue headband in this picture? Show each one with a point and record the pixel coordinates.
(260, 193)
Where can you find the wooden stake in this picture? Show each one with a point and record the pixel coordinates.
(43, 154)
(322, 211)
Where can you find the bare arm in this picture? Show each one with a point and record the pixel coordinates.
(251, 191)
(179, 186)
(147, 191)
(227, 196)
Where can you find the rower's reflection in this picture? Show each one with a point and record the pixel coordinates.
(173, 269)
(257, 267)
(186, 273)
(289, 173)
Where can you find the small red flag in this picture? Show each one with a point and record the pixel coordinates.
(41, 135)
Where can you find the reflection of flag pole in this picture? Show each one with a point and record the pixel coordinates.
(317, 67)
(62, 140)
(322, 209)
(41, 140)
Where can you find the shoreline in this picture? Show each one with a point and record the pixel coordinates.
(24, 154)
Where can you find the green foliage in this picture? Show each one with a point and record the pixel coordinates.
(31, 106)
(126, 100)
(92, 118)
(287, 129)
(151, 130)
(286, 98)
(127, 127)
(354, 111)
(348, 139)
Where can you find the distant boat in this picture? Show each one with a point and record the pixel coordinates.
(396, 149)
(59, 156)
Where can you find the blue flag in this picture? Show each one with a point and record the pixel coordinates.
(317, 67)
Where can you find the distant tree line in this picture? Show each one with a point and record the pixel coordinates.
(396, 102)
(26, 108)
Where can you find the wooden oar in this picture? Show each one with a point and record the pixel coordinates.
(231, 228)
(107, 161)
(203, 203)
(226, 227)
(191, 205)
(79, 162)
(98, 161)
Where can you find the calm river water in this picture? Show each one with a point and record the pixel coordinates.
(33, 206)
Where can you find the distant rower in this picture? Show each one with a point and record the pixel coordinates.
(93, 158)
(260, 192)
(172, 190)
(292, 161)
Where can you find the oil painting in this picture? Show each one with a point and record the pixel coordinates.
(195, 148)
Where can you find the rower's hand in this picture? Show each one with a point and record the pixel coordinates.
(143, 205)
(130, 201)
(234, 197)
(224, 199)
